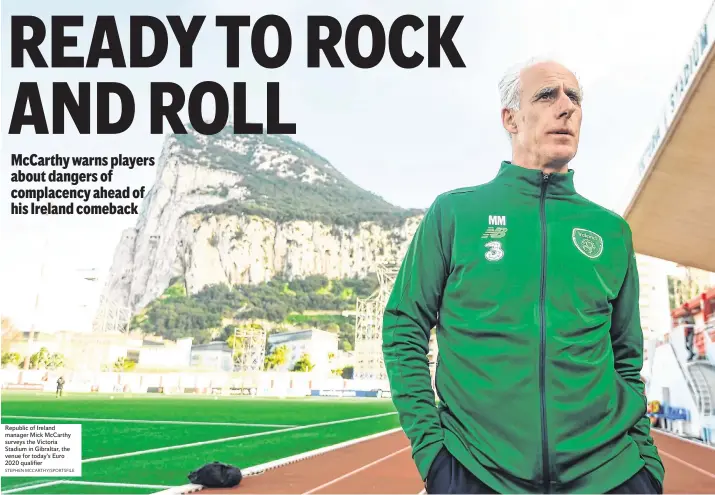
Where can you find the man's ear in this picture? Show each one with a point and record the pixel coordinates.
(508, 120)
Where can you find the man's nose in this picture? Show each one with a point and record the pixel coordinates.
(566, 106)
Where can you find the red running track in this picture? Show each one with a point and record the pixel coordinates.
(384, 465)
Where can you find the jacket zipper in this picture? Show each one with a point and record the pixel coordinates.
(542, 350)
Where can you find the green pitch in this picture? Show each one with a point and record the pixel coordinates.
(156, 441)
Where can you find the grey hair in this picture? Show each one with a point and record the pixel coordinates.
(510, 87)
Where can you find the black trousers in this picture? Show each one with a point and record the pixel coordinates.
(689, 342)
(448, 475)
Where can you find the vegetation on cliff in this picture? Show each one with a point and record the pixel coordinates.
(313, 301)
(287, 181)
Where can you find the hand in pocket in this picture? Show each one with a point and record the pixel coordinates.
(439, 477)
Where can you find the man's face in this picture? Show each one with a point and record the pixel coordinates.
(547, 125)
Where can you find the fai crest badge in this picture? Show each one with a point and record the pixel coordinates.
(589, 243)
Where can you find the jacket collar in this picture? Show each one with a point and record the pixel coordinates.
(530, 181)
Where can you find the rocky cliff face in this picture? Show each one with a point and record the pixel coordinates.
(241, 209)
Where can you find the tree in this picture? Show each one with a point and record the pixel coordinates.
(236, 345)
(55, 361)
(303, 364)
(348, 372)
(124, 364)
(276, 358)
(40, 359)
(10, 358)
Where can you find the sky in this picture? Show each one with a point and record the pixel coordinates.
(406, 135)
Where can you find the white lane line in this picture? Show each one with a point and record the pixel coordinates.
(149, 421)
(238, 437)
(678, 437)
(103, 483)
(32, 487)
(355, 471)
(685, 463)
(87, 483)
(278, 463)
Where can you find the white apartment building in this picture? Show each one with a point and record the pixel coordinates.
(319, 345)
(165, 354)
(214, 356)
(654, 299)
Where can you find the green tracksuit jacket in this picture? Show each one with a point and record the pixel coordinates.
(533, 291)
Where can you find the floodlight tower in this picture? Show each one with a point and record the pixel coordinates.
(254, 349)
(369, 362)
(111, 317)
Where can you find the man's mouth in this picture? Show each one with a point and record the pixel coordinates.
(563, 132)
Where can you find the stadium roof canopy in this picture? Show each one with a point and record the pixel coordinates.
(672, 211)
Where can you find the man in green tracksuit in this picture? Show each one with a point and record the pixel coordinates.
(533, 291)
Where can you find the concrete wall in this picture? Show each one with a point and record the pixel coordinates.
(667, 380)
